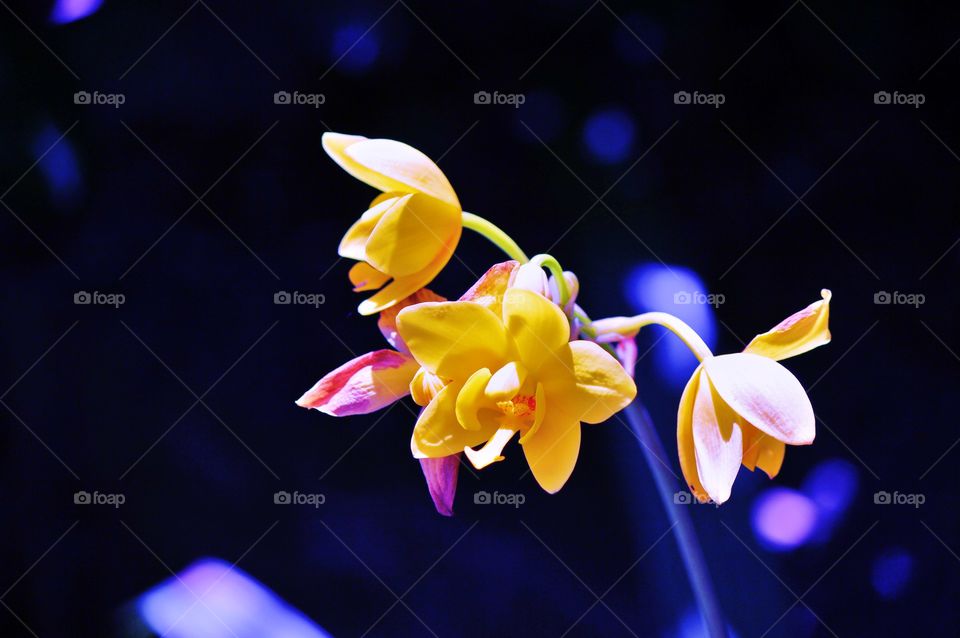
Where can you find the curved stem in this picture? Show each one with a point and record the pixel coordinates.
(550, 263)
(683, 529)
(489, 230)
(629, 326)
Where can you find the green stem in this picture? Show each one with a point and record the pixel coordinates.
(629, 326)
(550, 263)
(489, 230)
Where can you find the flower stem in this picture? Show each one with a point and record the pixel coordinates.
(629, 326)
(683, 529)
(489, 230)
(550, 263)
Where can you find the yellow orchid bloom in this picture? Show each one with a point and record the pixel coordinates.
(503, 363)
(410, 231)
(744, 408)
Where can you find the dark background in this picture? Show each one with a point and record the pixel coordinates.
(112, 207)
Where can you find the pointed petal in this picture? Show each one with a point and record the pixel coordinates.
(765, 394)
(367, 383)
(410, 235)
(363, 276)
(531, 277)
(453, 339)
(441, 475)
(389, 165)
(590, 384)
(685, 445)
(354, 242)
(506, 382)
(438, 433)
(798, 333)
(387, 321)
(552, 453)
(491, 451)
(718, 454)
(492, 285)
(538, 327)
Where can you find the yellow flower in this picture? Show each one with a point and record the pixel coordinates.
(744, 408)
(410, 231)
(504, 363)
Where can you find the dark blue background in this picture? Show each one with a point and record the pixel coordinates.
(199, 112)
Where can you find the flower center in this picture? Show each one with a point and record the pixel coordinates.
(521, 406)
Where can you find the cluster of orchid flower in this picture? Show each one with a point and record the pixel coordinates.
(516, 354)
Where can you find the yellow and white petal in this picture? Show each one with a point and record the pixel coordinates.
(471, 401)
(354, 242)
(389, 165)
(765, 394)
(718, 456)
(410, 235)
(770, 459)
(453, 339)
(491, 452)
(537, 327)
(506, 382)
(363, 276)
(438, 433)
(685, 445)
(552, 453)
(798, 333)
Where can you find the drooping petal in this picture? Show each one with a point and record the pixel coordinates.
(800, 332)
(389, 165)
(363, 276)
(770, 459)
(409, 236)
(506, 382)
(387, 321)
(488, 291)
(764, 393)
(491, 451)
(438, 433)
(589, 383)
(354, 242)
(718, 453)
(453, 339)
(538, 327)
(367, 383)
(441, 475)
(685, 445)
(552, 452)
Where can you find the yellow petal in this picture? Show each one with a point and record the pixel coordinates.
(438, 433)
(471, 399)
(602, 387)
(538, 327)
(410, 235)
(490, 453)
(770, 459)
(425, 386)
(453, 339)
(765, 394)
(506, 382)
(798, 333)
(353, 244)
(718, 454)
(402, 287)
(490, 288)
(389, 165)
(538, 415)
(363, 276)
(685, 446)
(552, 453)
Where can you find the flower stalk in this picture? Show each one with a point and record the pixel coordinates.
(491, 231)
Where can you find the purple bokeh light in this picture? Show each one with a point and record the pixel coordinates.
(892, 571)
(609, 134)
(66, 11)
(783, 519)
(832, 486)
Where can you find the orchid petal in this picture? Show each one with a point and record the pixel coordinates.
(552, 453)
(409, 236)
(685, 444)
(354, 242)
(441, 475)
(490, 288)
(538, 327)
(363, 276)
(800, 332)
(387, 321)
(425, 386)
(471, 399)
(438, 433)
(591, 384)
(506, 382)
(491, 452)
(362, 385)
(718, 454)
(765, 394)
